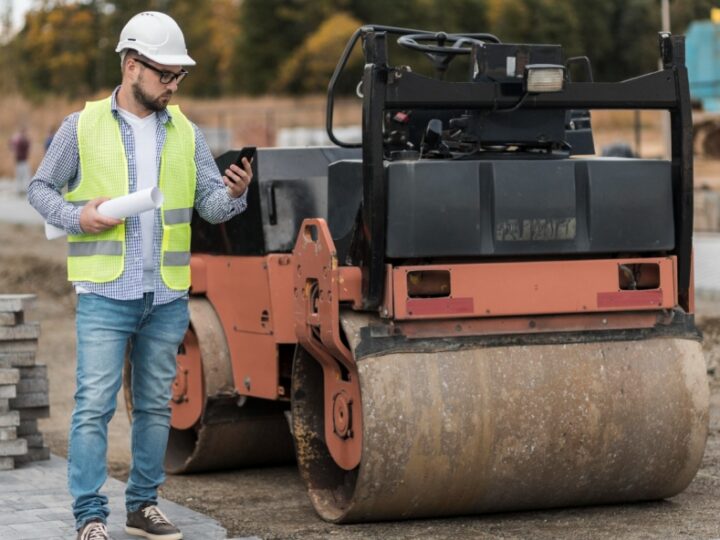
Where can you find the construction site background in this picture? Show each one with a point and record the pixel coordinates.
(271, 502)
(230, 123)
(227, 123)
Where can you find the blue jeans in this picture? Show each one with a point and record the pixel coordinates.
(104, 329)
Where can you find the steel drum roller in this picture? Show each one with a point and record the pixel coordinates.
(510, 428)
(221, 434)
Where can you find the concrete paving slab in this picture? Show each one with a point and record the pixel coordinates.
(14, 207)
(707, 257)
(36, 505)
(707, 273)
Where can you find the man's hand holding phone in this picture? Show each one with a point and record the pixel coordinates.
(239, 175)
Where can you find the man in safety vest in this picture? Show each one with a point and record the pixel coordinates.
(132, 276)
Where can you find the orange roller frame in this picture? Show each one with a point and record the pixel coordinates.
(534, 288)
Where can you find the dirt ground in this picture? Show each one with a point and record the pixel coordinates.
(271, 503)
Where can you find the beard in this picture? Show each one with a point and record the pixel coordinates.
(150, 103)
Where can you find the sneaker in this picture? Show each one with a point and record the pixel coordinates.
(93, 530)
(149, 522)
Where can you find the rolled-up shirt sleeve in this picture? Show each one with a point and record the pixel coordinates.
(212, 200)
(58, 169)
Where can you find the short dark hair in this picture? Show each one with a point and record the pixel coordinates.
(126, 54)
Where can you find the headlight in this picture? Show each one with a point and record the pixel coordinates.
(540, 78)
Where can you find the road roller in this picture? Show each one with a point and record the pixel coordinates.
(465, 311)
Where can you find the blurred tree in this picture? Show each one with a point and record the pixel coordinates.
(196, 18)
(536, 21)
(6, 18)
(56, 50)
(595, 41)
(224, 26)
(635, 25)
(8, 62)
(311, 65)
(251, 46)
(631, 48)
(449, 15)
(510, 20)
(270, 30)
(683, 12)
(582, 28)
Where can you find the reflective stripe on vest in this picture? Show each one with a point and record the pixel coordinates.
(86, 249)
(179, 215)
(100, 257)
(176, 258)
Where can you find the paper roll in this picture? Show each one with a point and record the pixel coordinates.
(119, 208)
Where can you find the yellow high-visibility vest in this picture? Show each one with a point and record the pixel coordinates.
(100, 258)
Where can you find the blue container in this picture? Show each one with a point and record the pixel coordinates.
(702, 54)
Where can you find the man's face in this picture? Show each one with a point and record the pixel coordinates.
(147, 87)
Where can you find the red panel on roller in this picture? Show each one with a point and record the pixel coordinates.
(439, 306)
(629, 298)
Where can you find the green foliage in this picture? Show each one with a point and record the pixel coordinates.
(56, 50)
(683, 12)
(269, 32)
(256, 46)
(201, 32)
(636, 24)
(307, 70)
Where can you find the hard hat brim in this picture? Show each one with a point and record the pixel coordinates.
(165, 59)
(171, 59)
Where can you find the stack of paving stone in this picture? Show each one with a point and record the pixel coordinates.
(23, 385)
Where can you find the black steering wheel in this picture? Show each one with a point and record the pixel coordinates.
(446, 44)
(444, 48)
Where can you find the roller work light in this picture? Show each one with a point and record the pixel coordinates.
(543, 78)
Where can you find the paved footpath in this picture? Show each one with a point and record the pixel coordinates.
(14, 208)
(35, 504)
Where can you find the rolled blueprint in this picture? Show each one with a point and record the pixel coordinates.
(120, 208)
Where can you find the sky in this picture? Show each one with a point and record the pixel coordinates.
(19, 7)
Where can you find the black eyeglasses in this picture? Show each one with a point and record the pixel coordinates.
(166, 77)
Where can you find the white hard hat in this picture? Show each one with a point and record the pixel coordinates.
(157, 37)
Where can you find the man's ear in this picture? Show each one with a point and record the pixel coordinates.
(130, 67)
(129, 63)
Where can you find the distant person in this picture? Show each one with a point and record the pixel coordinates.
(20, 147)
(132, 276)
(49, 138)
(618, 149)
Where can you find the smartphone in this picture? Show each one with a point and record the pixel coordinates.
(247, 152)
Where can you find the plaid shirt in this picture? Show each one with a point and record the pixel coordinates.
(61, 167)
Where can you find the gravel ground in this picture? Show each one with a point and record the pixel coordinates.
(271, 504)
